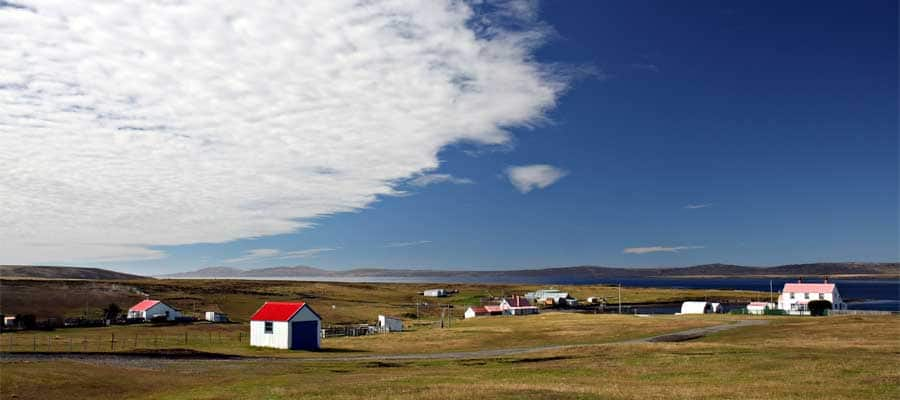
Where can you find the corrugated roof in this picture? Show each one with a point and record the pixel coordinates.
(809, 287)
(518, 302)
(493, 309)
(277, 311)
(479, 310)
(144, 305)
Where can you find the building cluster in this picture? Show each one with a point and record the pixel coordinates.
(795, 299)
(515, 305)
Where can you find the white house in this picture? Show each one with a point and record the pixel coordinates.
(517, 306)
(554, 295)
(796, 297)
(390, 324)
(213, 316)
(149, 309)
(285, 325)
(475, 311)
(759, 307)
(434, 293)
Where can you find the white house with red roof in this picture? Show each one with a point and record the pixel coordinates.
(286, 325)
(150, 309)
(759, 307)
(796, 297)
(517, 306)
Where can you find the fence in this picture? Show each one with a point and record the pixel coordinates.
(861, 312)
(361, 330)
(116, 342)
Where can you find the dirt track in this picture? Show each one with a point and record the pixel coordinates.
(181, 356)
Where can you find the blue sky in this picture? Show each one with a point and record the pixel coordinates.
(689, 133)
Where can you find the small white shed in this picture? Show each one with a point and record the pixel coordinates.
(283, 325)
(759, 307)
(391, 324)
(696, 307)
(150, 309)
(213, 316)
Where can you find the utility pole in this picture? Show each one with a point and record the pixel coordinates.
(770, 291)
(620, 298)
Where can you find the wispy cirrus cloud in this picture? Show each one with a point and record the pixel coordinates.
(696, 206)
(431, 179)
(646, 67)
(526, 178)
(276, 254)
(658, 249)
(231, 122)
(407, 244)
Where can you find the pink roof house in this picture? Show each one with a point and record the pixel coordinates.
(795, 297)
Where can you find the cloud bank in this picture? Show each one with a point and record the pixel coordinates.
(131, 125)
(538, 176)
(696, 206)
(658, 249)
(276, 254)
(407, 244)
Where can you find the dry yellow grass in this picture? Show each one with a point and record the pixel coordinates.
(732, 364)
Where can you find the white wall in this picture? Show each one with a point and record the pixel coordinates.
(279, 338)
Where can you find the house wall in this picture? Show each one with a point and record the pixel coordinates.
(392, 324)
(279, 338)
(161, 308)
(785, 301)
(305, 314)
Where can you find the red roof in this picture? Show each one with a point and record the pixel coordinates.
(518, 302)
(758, 304)
(493, 309)
(144, 305)
(479, 310)
(808, 287)
(277, 311)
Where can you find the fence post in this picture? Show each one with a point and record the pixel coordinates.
(49, 348)
(70, 344)
(240, 337)
(112, 342)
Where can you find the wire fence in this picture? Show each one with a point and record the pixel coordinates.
(113, 342)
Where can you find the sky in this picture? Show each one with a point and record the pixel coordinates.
(157, 136)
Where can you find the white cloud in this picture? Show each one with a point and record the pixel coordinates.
(538, 176)
(657, 249)
(136, 124)
(407, 244)
(431, 179)
(696, 206)
(265, 254)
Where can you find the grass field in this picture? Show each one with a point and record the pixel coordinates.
(846, 357)
(792, 358)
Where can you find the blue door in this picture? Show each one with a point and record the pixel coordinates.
(305, 335)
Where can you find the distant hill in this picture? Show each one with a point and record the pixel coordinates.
(229, 272)
(52, 272)
(577, 272)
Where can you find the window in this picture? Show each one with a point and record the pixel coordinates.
(268, 327)
(806, 296)
(821, 296)
(792, 295)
